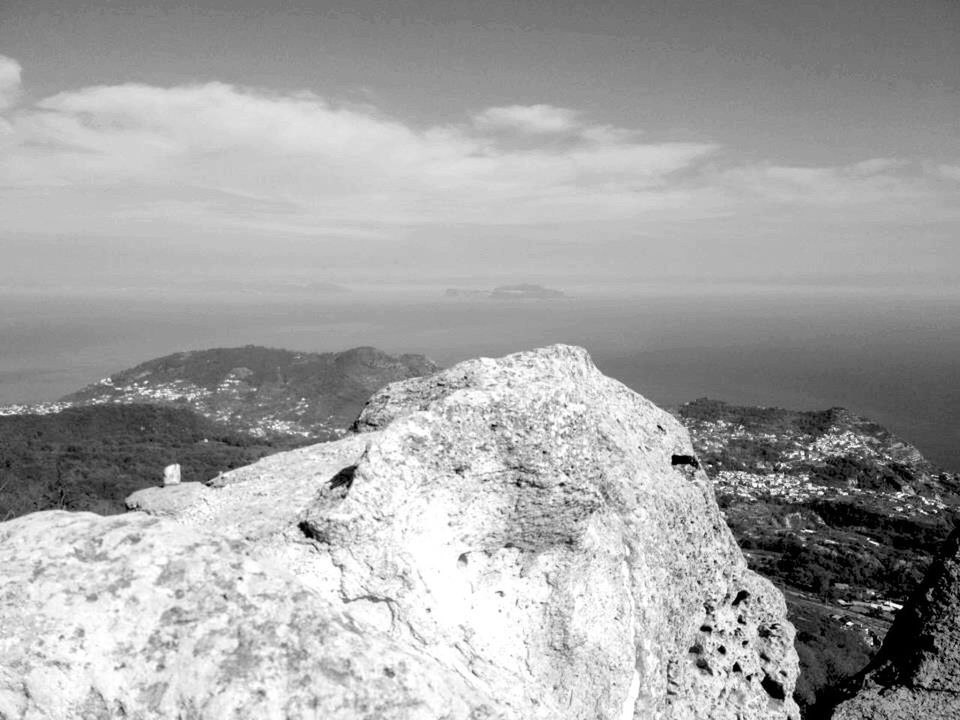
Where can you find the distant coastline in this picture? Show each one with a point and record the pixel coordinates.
(883, 357)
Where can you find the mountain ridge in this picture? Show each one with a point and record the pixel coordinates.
(269, 392)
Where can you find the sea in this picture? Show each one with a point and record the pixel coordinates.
(890, 355)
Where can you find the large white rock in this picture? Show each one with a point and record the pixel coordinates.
(519, 527)
(137, 617)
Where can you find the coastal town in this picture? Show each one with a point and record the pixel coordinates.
(798, 488)
(226, 404)
(793, 457)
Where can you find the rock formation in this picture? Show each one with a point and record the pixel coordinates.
(135, 617)
(916, 674)
(505, 539)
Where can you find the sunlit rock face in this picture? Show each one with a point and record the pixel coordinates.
(521, 528)
(916, 674)
(130, 616)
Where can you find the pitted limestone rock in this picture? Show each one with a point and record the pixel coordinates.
(520, 523)
(137, 617)
(598, 563)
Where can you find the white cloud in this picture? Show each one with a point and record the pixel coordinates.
(529, 118)
(950, 171)
(213, 156)
(874, 190)
(320, 162)
(9, 81)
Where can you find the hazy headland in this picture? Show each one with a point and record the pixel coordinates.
(890, 355)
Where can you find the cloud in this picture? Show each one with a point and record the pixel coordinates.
(950, 171)
(9, 81)
(213, 155)
(529, 118)
(320, 162)
(871, 182)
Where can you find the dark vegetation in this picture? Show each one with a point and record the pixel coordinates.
(829, 650)
(817, 545)
(834, 578)
(767, 419)
(833, 565)
(91, 458)
(844, 470)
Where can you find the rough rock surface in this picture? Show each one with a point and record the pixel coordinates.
(916, 674)
(521, 528)
(138, 617)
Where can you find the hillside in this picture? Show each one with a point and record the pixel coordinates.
(915, 674)
(91, 458)
(267, 392)
(843, 515)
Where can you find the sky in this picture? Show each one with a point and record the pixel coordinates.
(607, 142)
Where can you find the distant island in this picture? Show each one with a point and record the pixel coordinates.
(522, 291)
(316, 286)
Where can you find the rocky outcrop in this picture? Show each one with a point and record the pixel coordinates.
(505, 539)
(916, 674)
(136, 617)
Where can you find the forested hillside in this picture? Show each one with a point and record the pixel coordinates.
(91, 458)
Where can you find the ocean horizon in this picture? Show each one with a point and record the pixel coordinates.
(889, 356)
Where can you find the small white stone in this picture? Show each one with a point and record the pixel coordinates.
(171, 474)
